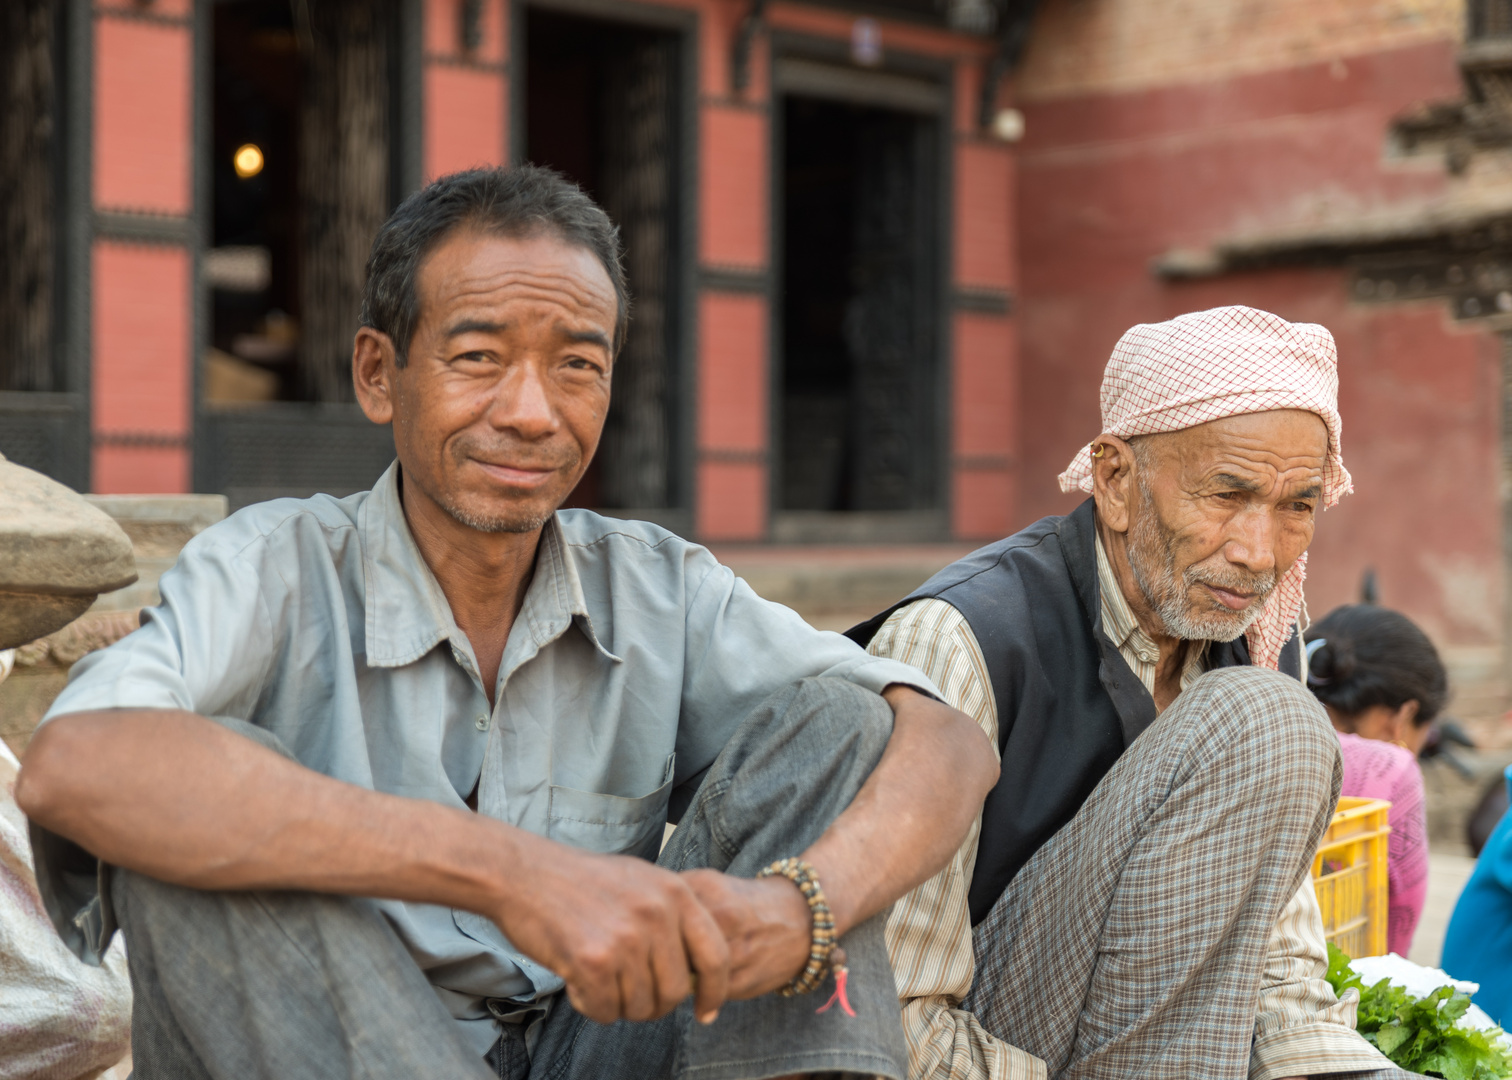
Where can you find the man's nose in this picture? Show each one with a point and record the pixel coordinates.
(1252, 539)
(523, 403)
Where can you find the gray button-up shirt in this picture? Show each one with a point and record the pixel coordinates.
(633, 659)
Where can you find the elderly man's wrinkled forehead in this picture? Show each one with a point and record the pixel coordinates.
(1278, 452)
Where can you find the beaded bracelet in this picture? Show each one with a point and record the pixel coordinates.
(824, 951)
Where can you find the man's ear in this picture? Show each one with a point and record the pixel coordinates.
(374, 367)
(1113, 468)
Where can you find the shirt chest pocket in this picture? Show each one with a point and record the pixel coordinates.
(611, 824)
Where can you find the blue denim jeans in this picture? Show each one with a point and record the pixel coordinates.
(303, 986)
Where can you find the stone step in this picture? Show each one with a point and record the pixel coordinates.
(828, 580)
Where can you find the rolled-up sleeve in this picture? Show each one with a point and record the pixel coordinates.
(205, 648)
(741, 649)
(929, 930)
(1301, 1028)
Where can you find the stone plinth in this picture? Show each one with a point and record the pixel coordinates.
(156, 527)
(57, 553)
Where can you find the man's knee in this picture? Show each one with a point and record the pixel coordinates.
(835, 729)
(833, 709)
(1258, 704)
(803, 753)
(1268, 718)
(822, 718)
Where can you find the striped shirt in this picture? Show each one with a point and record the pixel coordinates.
(1301, 1028)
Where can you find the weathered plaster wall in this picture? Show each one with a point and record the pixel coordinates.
(1183, 123)
(1094, 46)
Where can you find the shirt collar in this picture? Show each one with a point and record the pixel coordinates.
(1118, 618)
(407, 614)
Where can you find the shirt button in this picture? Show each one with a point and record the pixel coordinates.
(481, 723)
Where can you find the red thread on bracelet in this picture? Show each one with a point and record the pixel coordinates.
(841, 972)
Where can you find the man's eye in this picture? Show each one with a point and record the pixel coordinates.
(578, 363)
(1229, 496)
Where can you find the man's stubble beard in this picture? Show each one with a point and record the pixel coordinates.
(1152, 557)
(508, 521)
(502, 524)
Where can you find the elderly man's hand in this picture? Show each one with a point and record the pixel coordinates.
(625, 935)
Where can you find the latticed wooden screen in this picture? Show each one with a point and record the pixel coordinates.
(27, 224)
(343, 181)
(1490, 19)
(636, 190)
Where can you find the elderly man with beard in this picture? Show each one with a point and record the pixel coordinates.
(1136, 900)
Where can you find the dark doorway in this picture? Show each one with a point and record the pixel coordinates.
(44, 201)
(300, 177)
(302, 167)
(601, 106)
(858, 372)
(252, 265)
(28, 117)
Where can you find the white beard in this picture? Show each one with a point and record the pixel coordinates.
(1152, 557)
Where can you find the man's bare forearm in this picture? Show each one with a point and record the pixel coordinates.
(911, 814)
(177, 797)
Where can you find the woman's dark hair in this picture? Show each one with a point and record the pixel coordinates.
(1367, 655)
(518, 202)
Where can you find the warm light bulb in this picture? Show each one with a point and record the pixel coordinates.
(248, 160)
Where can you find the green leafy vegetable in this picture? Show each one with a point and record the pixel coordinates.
(1421, 1035)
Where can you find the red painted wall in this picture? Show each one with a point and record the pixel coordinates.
(142, 305)
(731, 495)
(465, 92)
(1109, 182)
(142, 382)
(732, 475)
(984, 363)
(142, 371)
(141, 114)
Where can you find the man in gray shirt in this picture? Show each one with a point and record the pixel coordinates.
(382, 776)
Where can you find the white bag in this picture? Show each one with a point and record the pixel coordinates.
(60, 1019)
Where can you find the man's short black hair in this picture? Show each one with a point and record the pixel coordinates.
(517, 202)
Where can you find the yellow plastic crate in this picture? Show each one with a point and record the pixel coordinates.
(1349, 875)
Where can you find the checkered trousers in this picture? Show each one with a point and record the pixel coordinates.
(1133, 943)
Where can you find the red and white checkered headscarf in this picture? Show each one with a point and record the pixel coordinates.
(1225, 362)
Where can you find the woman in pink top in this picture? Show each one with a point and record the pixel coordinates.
(1382, 682)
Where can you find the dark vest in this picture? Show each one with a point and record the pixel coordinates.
(1067, 703)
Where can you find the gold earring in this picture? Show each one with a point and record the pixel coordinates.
(1098, 449)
